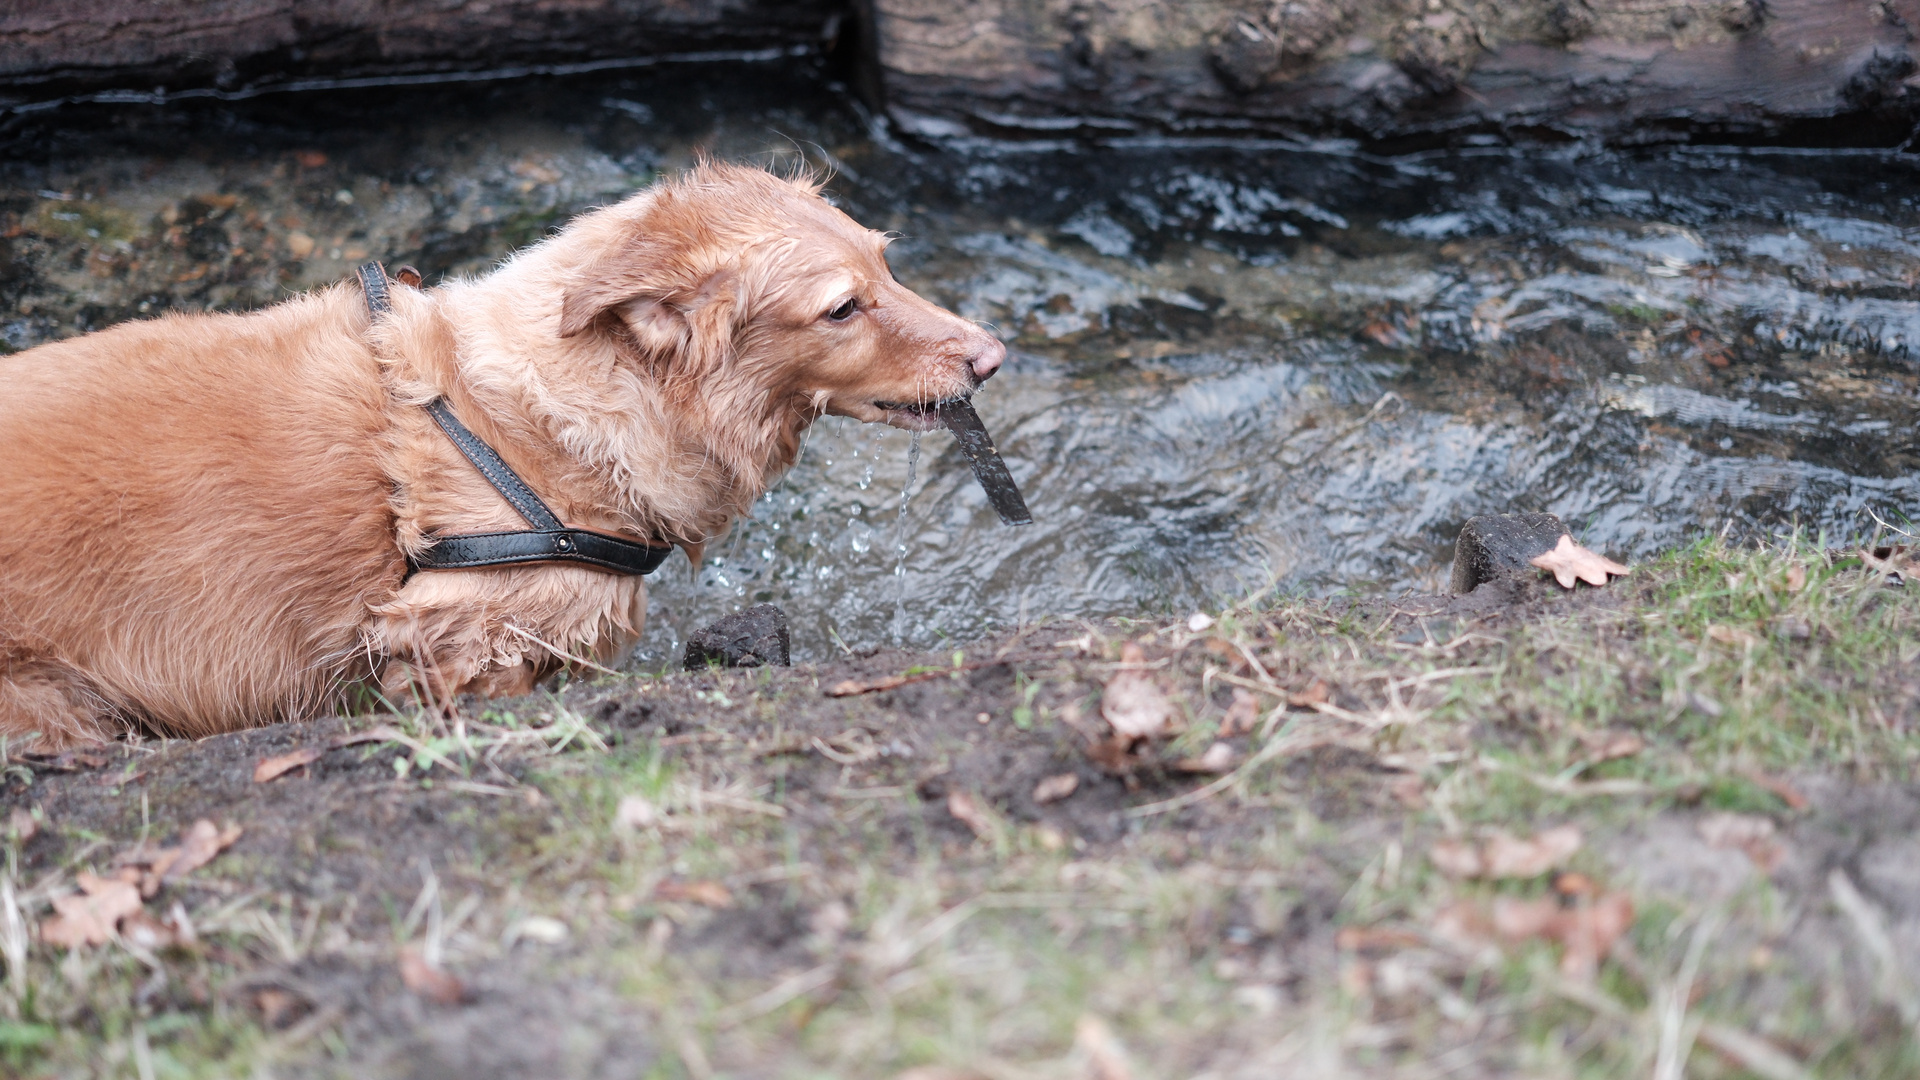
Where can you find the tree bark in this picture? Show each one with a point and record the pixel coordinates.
(54, 48)
(1405, 71)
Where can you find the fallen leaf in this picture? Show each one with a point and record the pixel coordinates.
(286, 763)
(1316, 693)
(1796, 577)
(1507, 857)
(142, 930)
(65, 761)
(1750, 833)
(1457, 859)
(1055, 788)
(1787, 792)
(1611, 745)
(967, 811)
(21, 825)
(1409, 791)
(279, 1008)
(197, 848)
(428, 981)
(1133, 702)
(1586, 931)
(705, 893)
(1111, 755)
(1729, 635)
(1503, 856)
(1569, 562)
(1218, 758)
(310, 159)
(90, 916)
(1242, 714)
(1574, 883)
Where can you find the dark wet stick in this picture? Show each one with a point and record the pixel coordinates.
(992, 473)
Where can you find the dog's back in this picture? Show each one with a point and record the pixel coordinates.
(195, 496)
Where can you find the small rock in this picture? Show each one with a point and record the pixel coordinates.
(755, 637)
(1493, 545)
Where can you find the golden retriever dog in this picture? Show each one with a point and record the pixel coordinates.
(210, 517)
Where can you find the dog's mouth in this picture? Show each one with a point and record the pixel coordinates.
(913, 416)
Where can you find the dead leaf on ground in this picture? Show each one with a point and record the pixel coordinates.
(1611, 745)
(286, 763)
(1218, 758)
(968, 811)
(1788, 794)
(143, 931)
(279, 1008)
(1568, 562)
(1133, 702)
(428, 981)
(1054, 788)
(1585, 931)
(1731, 635)
(705, 893)
(1503, 856)
(1796, 577)
(1112, 756)
(1750, 833)
(90, 916)
(1409, 791)
(1895, 564)
(1316, 693)
(1242, 714)
(197, 847)
(21, 825)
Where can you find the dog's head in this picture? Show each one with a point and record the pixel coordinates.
(740, 285)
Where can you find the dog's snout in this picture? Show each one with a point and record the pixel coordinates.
(988, 358)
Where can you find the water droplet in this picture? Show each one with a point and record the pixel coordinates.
(900, 544)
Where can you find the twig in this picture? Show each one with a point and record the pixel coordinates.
(1282, 743)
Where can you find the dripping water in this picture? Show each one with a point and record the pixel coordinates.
(900, 545)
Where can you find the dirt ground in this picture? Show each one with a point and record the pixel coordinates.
(732, 873)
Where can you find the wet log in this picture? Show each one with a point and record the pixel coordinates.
(55, 48)
(1401, 73)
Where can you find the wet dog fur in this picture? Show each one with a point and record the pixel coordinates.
(209, 516)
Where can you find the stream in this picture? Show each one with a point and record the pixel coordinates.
(1234, 367)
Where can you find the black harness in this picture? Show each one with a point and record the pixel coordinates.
(548, 540)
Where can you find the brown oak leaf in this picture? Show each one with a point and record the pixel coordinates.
(89, 916)
(1136, 705)
(1568, 562)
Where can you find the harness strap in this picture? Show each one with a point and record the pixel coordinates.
(549, 540)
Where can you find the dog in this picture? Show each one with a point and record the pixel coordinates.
(217, 521)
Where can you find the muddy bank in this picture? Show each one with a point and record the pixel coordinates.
(736, 873)
(1395, 74)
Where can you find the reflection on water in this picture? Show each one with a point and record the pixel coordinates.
(1231, 366)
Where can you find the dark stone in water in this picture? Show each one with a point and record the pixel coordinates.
(1495, 545)
(755, 637)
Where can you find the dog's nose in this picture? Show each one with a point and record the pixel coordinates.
(988, 359)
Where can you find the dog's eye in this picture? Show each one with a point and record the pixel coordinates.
(844, 310)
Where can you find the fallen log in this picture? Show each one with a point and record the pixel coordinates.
(54, 49)
(1403, 72)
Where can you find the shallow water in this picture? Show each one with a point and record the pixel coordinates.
(1234, 367)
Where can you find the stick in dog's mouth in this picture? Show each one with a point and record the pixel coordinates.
(958, 416)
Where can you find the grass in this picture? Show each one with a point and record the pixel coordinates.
(860, 930)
